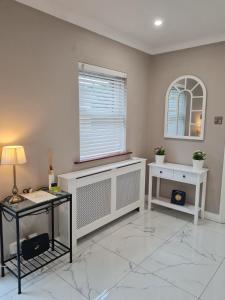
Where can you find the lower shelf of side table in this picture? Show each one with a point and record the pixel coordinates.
(27, 267)
(187, 208)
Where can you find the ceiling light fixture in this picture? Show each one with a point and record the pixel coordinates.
(158, 22)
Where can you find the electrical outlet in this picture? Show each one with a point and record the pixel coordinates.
(218, 120)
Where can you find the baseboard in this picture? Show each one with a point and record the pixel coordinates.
(212, 217)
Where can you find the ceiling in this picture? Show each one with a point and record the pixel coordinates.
(187, 23)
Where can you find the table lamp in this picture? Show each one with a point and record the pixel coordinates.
(13, 155)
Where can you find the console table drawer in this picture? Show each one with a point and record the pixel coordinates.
(185, 177)
(162, 172)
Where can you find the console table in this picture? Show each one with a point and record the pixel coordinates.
(180, 173)
(15, 264)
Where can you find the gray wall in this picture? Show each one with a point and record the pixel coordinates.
(207, 63)
(39, 91)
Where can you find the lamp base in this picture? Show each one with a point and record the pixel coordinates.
(15, 199)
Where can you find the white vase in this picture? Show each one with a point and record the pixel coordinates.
(198, 164)
(159, 159)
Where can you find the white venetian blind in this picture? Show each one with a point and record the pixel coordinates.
(102, 94)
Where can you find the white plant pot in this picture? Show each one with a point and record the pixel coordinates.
(198, 164)
(159, 159)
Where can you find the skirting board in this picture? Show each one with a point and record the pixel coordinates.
(208, 215)
(212, 217)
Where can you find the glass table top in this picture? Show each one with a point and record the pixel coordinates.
(27, 204)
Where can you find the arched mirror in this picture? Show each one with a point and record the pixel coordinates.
(185, 109)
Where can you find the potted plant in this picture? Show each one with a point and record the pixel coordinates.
(198, 159)
(160, 154)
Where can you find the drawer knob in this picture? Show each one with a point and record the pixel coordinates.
(184, 176)
(160, 172)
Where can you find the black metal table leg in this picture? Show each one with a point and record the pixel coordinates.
(18, 253)
(21, 213)
(53, 228)
(71, 245)
(2, 246)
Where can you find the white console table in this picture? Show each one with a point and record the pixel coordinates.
(180, 173)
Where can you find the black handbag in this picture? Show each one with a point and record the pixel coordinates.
(35, 246)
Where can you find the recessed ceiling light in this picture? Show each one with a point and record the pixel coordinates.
(158, 22)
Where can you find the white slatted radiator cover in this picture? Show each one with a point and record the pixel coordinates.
(93, 202)
(128, 189)
(102, 194)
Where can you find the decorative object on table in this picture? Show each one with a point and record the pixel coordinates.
(178, 197)
(35, 246)
(51, 177)
(55, 188)
(13, 155)
(28, 191)
(160, 154)
(39, 196)
(198, 159)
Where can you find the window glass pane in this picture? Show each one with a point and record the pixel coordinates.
(102, 113)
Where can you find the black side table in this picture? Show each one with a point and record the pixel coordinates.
(16, 264)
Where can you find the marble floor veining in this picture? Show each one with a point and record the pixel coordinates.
(145, 255)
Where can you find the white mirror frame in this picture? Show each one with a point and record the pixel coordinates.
(199, 82)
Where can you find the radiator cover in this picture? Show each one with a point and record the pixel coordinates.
(101, 194)
(93, 202)
(128, 188)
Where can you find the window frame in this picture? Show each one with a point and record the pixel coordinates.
(82, 67)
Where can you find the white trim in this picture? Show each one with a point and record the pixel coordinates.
(188, 45)
(173, 84)
(222, 194)
(181, 137)
(212, 217)
(100, 70)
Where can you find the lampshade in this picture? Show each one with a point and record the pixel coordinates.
(13, 155)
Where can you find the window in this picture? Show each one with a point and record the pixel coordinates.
(102, 94)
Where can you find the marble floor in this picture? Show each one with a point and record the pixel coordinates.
(156, 255)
